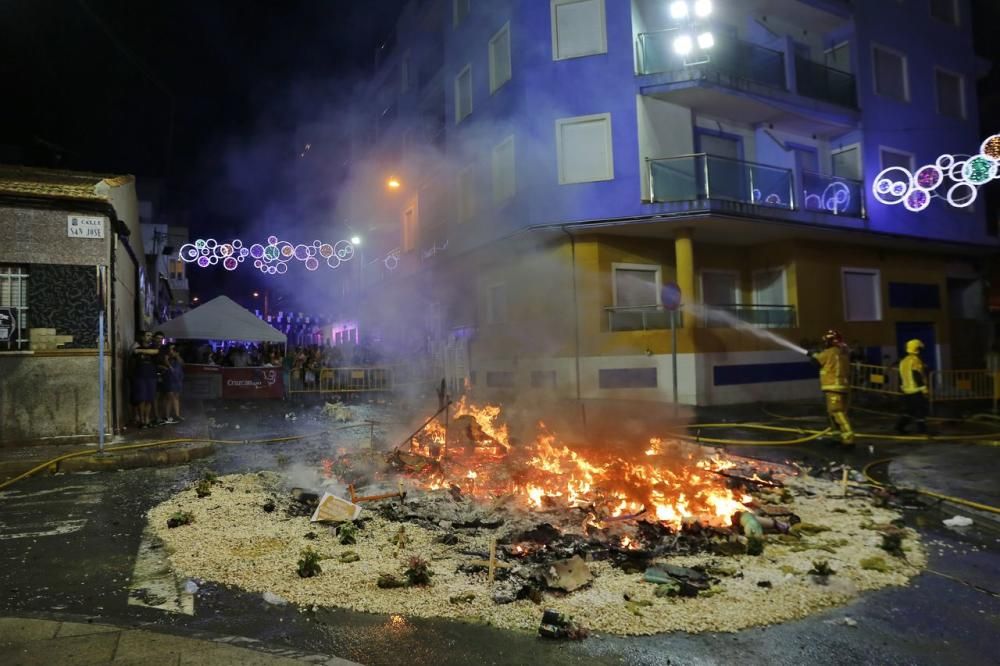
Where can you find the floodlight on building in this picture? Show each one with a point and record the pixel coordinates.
(683, 45)
(706, 40)
(679, 10)
(702, 8)
(355, 240)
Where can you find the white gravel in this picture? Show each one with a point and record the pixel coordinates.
(234, 542)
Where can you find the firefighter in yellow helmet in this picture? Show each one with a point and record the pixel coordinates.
(913, 382)
(835, 381)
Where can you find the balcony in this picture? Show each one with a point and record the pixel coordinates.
(757, 316)
(832, 195)
(826, 84)
(703, 177)
(639, 318)
(732, 60)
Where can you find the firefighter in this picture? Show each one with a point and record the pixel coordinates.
(913, 380)
(834, 379)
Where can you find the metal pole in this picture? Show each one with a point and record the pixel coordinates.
(673, 353)
(100, 381)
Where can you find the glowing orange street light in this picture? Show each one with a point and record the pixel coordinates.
(393, 183)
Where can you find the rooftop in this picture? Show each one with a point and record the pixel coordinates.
(58, 184)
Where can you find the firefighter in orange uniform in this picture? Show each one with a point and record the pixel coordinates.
(835, 380)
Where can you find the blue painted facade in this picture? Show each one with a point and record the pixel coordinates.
(543, 90)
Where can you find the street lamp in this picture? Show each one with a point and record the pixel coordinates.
(255, 294)
(393, 183)
(355, 240)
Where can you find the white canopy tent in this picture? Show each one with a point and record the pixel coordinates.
(221, 319)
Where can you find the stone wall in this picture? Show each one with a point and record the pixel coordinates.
(33, 235)
(51, 395)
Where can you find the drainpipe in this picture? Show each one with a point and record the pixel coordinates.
(576, 317)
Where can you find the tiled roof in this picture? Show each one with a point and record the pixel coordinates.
(56, 184)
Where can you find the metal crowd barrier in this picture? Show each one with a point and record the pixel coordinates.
(342, 380)
(943, 385)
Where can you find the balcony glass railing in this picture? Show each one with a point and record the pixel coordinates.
(640, 318)
(758, 316)
(730, 58)
(701, 177)
(825, 83)
(830, 194)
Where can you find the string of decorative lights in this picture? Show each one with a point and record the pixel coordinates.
(962, 175)
(271, 258)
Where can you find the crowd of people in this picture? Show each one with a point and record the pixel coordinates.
(156, 376)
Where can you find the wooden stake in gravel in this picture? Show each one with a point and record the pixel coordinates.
(493, 561)
(843, 482)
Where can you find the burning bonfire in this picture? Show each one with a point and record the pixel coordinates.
(474, 455)
(468, 520)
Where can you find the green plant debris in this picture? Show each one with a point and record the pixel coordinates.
(875, 563)
(347, 534)
(180, 518)
(308, 565)
(821, 568)
(389, 581)
(418, 572)
(210, 477)
(755, 545)
(809, 528)
(466, 598)
(349, 556)
(892, 543)
(203, 488)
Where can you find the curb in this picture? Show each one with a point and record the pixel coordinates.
(177, 454)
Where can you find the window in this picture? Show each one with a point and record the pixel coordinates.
(543, 379)
(839, 57)
(504, 183)
(913, 295)
(13, 308)
(720, 287)
(176, 269)
(466, 191)
(578, 28)
(846, 162)
(500, 70)
(499, 379)
(496, 304)
(626, 378)
(945, 10)
(949, 89)
(584, 149)
(463, 94)
(862, 294)
(890, 74)
(769, 287)
(895, 158)
(635, 285)
(460, 10)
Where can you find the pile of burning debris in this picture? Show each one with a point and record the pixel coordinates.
(496, 524)
(552, 509)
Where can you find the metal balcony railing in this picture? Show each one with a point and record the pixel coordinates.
(831, 194)
(702, 177)
(824, 83)
(640, 318)
(759, 316)
(729, 58)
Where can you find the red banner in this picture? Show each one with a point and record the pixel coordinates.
(211, 381)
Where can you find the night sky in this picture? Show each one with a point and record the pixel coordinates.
(215, 99)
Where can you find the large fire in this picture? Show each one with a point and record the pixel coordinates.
(666, 482)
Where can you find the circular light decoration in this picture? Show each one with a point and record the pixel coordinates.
(237, 243)
(188, 253)
(200, 243)
(892, 185)
(286, 249)
(836, 198)
(272, 240)
(312, 264)
(271, 270)
(256, 250)
(344, 250)
(226, 249)
(301, 252)
(980, 169)
(917, 200)
(272, 258)
(332, 262)
(203, 262)
(230, 264)
(211, 243)
(326, 250)
(271, 253)
(959, 176)
(929, 177)
(281, 269)
(991, 147)
(961, 195)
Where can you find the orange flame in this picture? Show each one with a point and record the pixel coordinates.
(546, 473)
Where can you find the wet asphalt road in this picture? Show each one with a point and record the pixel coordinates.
(68, 546)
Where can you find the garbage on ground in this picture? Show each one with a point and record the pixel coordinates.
(274, 599)
(190, 586)
(290, 416)
(556, 625)
(568, 575)
(337, 411)
(335, 509)
(957, 521)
